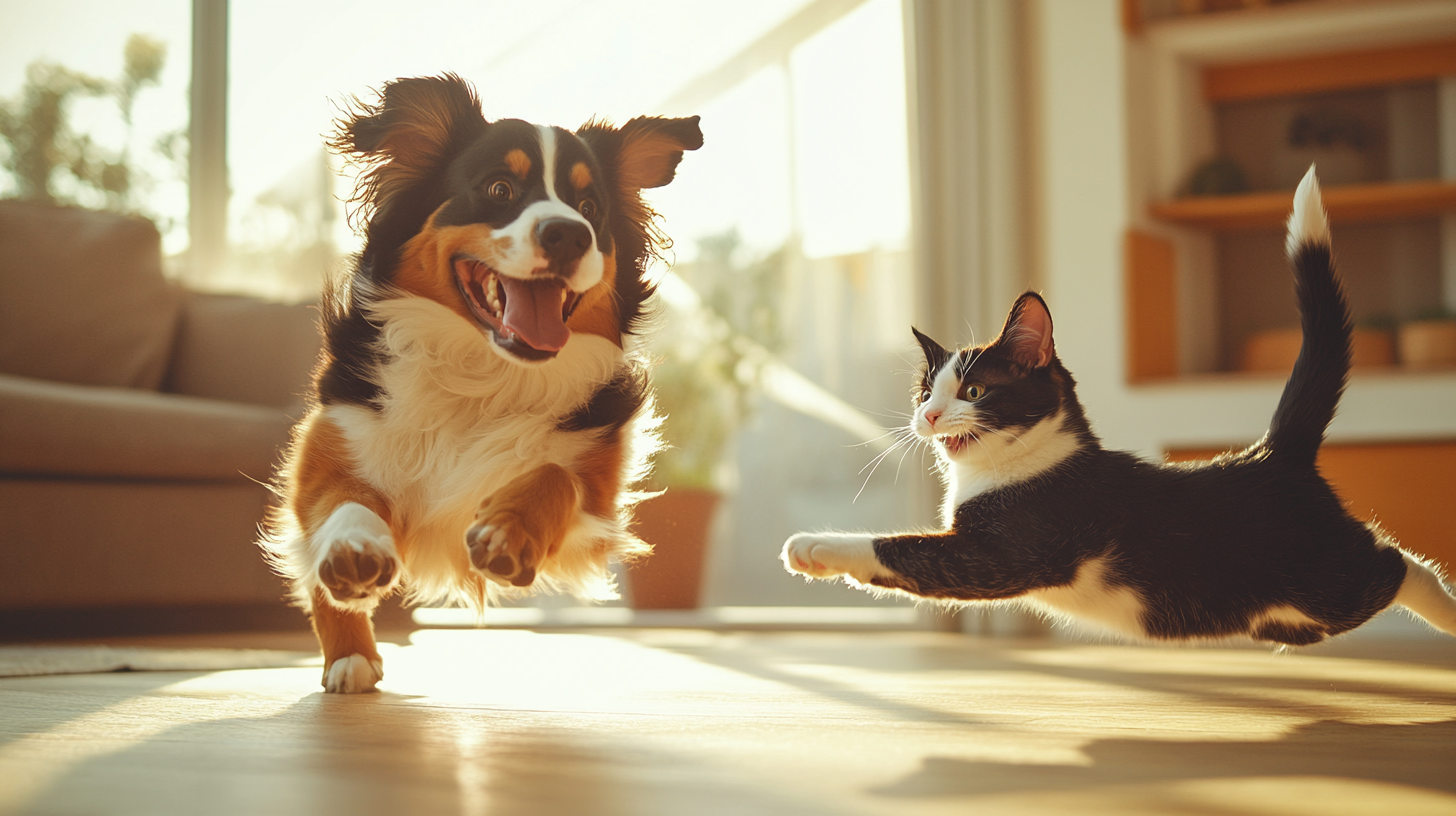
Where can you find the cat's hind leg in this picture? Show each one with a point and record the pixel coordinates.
(825, 555)
(1423, 593)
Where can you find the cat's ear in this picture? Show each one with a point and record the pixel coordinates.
(1027, 334)
(935, 354)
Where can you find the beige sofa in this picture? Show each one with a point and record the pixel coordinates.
(139, 423)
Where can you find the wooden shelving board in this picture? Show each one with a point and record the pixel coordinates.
(1348, 204)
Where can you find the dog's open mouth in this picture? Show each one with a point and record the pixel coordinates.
(524, 317)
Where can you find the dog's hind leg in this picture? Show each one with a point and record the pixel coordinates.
(1422, 593)
(523, 524)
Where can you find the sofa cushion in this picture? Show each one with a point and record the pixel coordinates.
(58, 429)
(82, 297)
(245, 350)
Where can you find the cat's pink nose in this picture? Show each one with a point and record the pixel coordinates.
(931, 417)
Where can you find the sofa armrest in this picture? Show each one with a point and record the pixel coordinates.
(246, 350)
(50, 429)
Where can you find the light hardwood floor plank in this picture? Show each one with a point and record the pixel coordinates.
(695, 722)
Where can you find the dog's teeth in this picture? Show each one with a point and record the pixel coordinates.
(492, 294)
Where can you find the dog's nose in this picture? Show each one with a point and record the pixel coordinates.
(562, 239)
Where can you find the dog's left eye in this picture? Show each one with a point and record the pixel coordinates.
(500, 190)
(587, 208)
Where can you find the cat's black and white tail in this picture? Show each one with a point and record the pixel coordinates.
(1314, 388)
(1318, 380)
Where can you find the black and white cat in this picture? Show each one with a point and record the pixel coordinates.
(1252, 543)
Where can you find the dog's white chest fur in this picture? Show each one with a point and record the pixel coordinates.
(457, 423)
(456, 418)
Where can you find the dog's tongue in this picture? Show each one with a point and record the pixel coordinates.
(533, 312)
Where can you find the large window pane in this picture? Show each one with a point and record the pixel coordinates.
(93, 106)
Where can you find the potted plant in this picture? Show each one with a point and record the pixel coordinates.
(48, 160)
(705, 377)
(1333, 139)
(1372, 346)
(1429, 341)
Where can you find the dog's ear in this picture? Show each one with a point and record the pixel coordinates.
(641, 154)
(651, 148)
(410, 134)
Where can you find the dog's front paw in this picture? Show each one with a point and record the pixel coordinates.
(825, 555)
(354, 674)
(360, 563)
(502, 550)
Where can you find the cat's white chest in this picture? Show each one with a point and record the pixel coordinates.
(964, 483)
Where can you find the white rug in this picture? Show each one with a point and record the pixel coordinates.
(28, 661)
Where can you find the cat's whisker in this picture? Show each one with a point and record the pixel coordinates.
(880, 457)
(924, 444)
(875, 463)
(888, 432)
(972, 365)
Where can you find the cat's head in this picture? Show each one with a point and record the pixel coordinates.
(1006, 403)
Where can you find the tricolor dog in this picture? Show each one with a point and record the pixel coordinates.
(475, 423)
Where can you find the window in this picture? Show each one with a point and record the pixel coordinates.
(93, 106)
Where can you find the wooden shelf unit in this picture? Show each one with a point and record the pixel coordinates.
(1292, 76)
(1178, 293)
(1353, 203)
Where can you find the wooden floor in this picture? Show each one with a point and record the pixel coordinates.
(687, 722)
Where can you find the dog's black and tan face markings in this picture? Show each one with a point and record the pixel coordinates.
(518, 228)
(532, 240)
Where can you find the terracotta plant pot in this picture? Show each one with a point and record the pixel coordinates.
(1272, 351)
(1275, 351)
(1428, 344)
(676, 524)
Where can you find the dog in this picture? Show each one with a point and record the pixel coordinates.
(475, 424)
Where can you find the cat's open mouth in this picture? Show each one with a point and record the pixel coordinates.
(958, 443)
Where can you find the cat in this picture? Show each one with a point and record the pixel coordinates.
(1253, 543)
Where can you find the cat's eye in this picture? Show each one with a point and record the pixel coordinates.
(500, 190)
(973, 392)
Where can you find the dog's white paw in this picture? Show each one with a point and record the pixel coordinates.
(358, 562)
(824, 555)
(354, 674)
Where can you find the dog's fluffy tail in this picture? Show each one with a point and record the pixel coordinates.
(1314, 388)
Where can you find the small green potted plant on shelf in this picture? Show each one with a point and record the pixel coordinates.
(705, 377)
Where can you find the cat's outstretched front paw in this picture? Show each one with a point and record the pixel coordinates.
(825, 555)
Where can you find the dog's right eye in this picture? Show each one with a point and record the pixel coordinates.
(500, 190)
